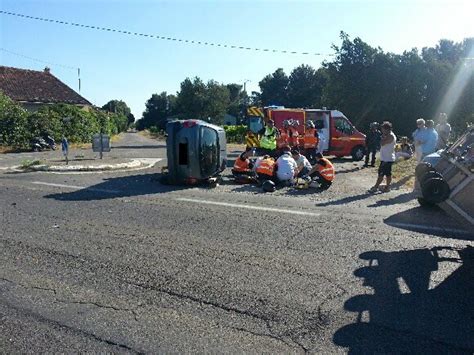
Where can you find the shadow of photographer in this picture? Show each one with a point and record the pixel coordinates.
(415, 307)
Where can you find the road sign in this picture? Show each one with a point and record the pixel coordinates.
(101, 143)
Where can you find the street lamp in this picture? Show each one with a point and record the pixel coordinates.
(245, 103)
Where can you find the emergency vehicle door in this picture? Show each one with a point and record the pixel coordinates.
(341, 132)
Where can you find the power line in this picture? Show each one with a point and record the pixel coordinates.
(202, 43)
(38, 60)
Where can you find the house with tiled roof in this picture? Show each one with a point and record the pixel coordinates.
(33, 89)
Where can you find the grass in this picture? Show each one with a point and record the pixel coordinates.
(26, 164)
(403, 172)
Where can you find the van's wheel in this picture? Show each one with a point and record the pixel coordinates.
(358, 153)
(435, 190)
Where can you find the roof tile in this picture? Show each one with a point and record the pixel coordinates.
(37, 86)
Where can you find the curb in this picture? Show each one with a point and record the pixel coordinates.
(135, 164)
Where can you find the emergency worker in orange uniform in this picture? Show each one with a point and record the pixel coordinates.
(282, 139)
(323, 172)
(243, 165)
(293, 134)
(265, 169)
(311, 141)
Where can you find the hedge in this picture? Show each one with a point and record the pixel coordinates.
(18, 127)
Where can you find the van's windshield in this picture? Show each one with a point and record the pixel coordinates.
(209, 151)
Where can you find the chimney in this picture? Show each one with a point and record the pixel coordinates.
(47, 70)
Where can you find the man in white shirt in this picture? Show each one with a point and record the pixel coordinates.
(444, 130)
(303, 164)
(286, 168)
(387, 157)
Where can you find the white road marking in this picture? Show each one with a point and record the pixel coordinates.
(74, 187)
(429, 228)
(258, 208)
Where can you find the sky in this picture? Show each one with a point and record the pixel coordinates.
(132, 68)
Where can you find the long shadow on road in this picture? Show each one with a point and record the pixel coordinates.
(125, 186)
(421, 303)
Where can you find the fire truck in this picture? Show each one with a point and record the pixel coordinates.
(338, 136)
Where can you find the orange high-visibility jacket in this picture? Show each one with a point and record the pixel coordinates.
(242, 165)
(293, 136)
(282, 139)
(326, 169)
(311, 139)
(266, 167)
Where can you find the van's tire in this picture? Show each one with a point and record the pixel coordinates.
(429, 175)
(421, 169)
(358, 153)
(435, 190)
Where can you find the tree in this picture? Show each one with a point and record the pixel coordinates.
(305, 86)
(202, 101)
(117, 106)
(273, 88)
(157, 110)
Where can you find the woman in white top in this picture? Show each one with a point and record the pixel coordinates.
(387, 157)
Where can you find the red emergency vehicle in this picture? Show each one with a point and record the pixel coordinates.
(337, 135)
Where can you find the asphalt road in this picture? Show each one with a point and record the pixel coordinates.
(117, 262)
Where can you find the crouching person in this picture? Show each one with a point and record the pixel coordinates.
(303, 164)
(243, 165)
(323, 172)
(286, 168)
(265, 169)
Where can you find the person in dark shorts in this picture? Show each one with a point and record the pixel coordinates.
(387, 157)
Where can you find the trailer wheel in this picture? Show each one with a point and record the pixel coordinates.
(358, 153)
(425, 203)
(421, 169)
(435, 190)
(429, 175)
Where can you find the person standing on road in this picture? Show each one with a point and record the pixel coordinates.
(268, 141)
(65, 149)
(444, 130)
(372, 143)
(286, 168)
(387, 157)
(419, 138)
(431, 139)
(311, 141)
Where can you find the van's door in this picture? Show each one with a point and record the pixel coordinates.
(341, 132)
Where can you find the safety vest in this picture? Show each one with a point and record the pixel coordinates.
(241, 166)
(293, 139)
(268, 141)
(266, 167)
(282, 140)
(327, 172)
(310, 138)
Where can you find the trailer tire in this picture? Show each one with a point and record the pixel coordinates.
(358, 153)
(435, 190)
(429, 175)
(421, 169)
(425, 203)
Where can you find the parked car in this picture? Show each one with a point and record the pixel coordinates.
(196, 152)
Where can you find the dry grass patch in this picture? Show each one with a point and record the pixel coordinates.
(403, 172)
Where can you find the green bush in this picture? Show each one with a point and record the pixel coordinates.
(235, 134)
(13, 123)
(18, 127)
